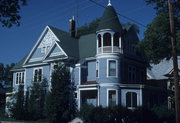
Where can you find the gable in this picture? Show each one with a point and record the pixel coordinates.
(42, 46)
(55, 52)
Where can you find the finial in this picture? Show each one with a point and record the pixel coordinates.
(109, 3)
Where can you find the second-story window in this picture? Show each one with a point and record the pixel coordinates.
(112, 68)
(38, 75)
(19, 77)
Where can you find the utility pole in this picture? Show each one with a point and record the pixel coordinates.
(175, 63)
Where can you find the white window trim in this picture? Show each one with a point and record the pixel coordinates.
(37, 69)
(18, 83)
(107, 69)
(97, 68)
(132, 100)
(108, 96)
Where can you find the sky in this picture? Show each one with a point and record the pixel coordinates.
(16, 42)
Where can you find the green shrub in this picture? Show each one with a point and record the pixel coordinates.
(91, 114)
(164, 114)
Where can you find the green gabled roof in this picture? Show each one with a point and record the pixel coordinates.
(19, 64)
(67, 43)
(110, 20)
(87, 46)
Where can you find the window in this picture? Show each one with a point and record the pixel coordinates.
(38, 75)
(23, 77)
(55, 66)
(19, 77)
(97, 69)
(132, 74)
(112, 97)
(112, 70)
(107, 39)
(99, 40)
(75, 95)
(131, 99)
(116, 39)
(44, 49)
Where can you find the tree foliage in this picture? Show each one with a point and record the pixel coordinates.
(60, 104)
(6, 74)
(89, 28)
(156, 42)
(18, 107)
(118, 114)
(9, 12)
(35, 100)
(29, 105)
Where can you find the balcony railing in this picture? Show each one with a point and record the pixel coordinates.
(109, 49)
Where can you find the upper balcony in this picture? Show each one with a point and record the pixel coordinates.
(109, 49)
(109, 42)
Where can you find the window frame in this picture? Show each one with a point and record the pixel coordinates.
(19, 78)
(108, 90)
(37, 74)
(116, 63)
(132, 105)
(97, 68)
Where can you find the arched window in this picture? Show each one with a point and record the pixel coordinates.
(131, 99)
(99, 41)
(107, 39)
(116, 39)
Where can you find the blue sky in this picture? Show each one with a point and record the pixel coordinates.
(16, 42)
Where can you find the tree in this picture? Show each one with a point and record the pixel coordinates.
(60, 104)
(9, 12)
(8, 74)
(35, 100)
(1, 72)
(156, 42)
(89, 28)
(18, 106)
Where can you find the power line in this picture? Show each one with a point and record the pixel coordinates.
(120, 14)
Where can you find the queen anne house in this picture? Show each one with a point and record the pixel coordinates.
(106, 67)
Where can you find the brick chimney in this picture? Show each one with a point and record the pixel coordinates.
(72, 27)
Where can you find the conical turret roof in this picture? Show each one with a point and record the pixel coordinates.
(110, 20)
